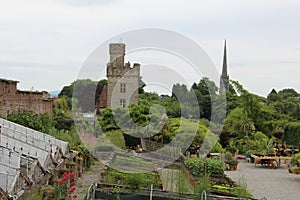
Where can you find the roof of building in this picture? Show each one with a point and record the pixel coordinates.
(18, 143)
(8, 81)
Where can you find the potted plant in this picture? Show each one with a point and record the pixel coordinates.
(295, 164)
(295, 169)
(231, 162)
(233, 150)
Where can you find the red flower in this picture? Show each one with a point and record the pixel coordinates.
(60, 182)
(75, 196)
(72, 174)
(72, 190)
(73, 184)
(65, 174)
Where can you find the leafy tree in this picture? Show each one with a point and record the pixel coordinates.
(86, 91)
(285, 93)
(273, 96)
(30, 119)
(142, 84)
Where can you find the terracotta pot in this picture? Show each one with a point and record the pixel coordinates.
(233, 167)
(296, 171)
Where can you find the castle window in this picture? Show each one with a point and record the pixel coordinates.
(122, 87)
(122, 103)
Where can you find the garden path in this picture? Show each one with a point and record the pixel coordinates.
(274, 184)
(89, 177)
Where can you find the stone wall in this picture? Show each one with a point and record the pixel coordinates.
(14, 101)
(120, 75)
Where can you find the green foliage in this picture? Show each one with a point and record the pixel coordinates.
(182, 183)
(35, 196)
(135, 181)
(229, 159)
(203, 184)
(30, 119)
(107, 121)
(289, 92)
(295, 160)
(217, 148)
(116, 138)
(238, 190)
(86, 91)
(292, 133)
(132, 162)
(215, 167)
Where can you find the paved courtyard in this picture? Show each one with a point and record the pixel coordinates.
(274, 184)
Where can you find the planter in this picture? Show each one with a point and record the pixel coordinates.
(233, 154)
(233, 167)
(295, 170)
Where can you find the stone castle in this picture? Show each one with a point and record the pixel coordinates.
(122, 80)
(13, 100)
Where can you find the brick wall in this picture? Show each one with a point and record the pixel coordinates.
(14, 101)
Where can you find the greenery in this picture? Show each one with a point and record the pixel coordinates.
(135, 181)
(132, 162)
(196, 166)
(253, 124)
(229, 159)
(203, 184)
(295, 160)
(239, 190)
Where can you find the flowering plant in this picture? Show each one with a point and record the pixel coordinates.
(65, 187)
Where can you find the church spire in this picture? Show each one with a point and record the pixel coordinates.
(224, 69)
(224, 80)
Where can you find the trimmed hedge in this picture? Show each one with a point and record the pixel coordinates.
(215, 167)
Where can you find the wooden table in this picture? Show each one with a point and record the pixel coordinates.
(271, 161)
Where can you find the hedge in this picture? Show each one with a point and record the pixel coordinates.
(215, 167)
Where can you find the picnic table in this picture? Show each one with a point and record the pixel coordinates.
(270, 161)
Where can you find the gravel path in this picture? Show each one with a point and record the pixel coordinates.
(89, 177)
(274, 184)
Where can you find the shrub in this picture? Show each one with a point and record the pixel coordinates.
(116, 138)
(65, 187)
(215, 167)
(295, 161)
(135, 181)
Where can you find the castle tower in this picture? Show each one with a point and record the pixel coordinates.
(224, 80)
(122, 79)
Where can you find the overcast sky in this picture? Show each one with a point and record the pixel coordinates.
(43, 44)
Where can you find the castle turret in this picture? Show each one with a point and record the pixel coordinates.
(117, 53)
(122, 79)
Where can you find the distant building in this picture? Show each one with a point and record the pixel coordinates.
(224, 80)
(13, 100)
(122, 79)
